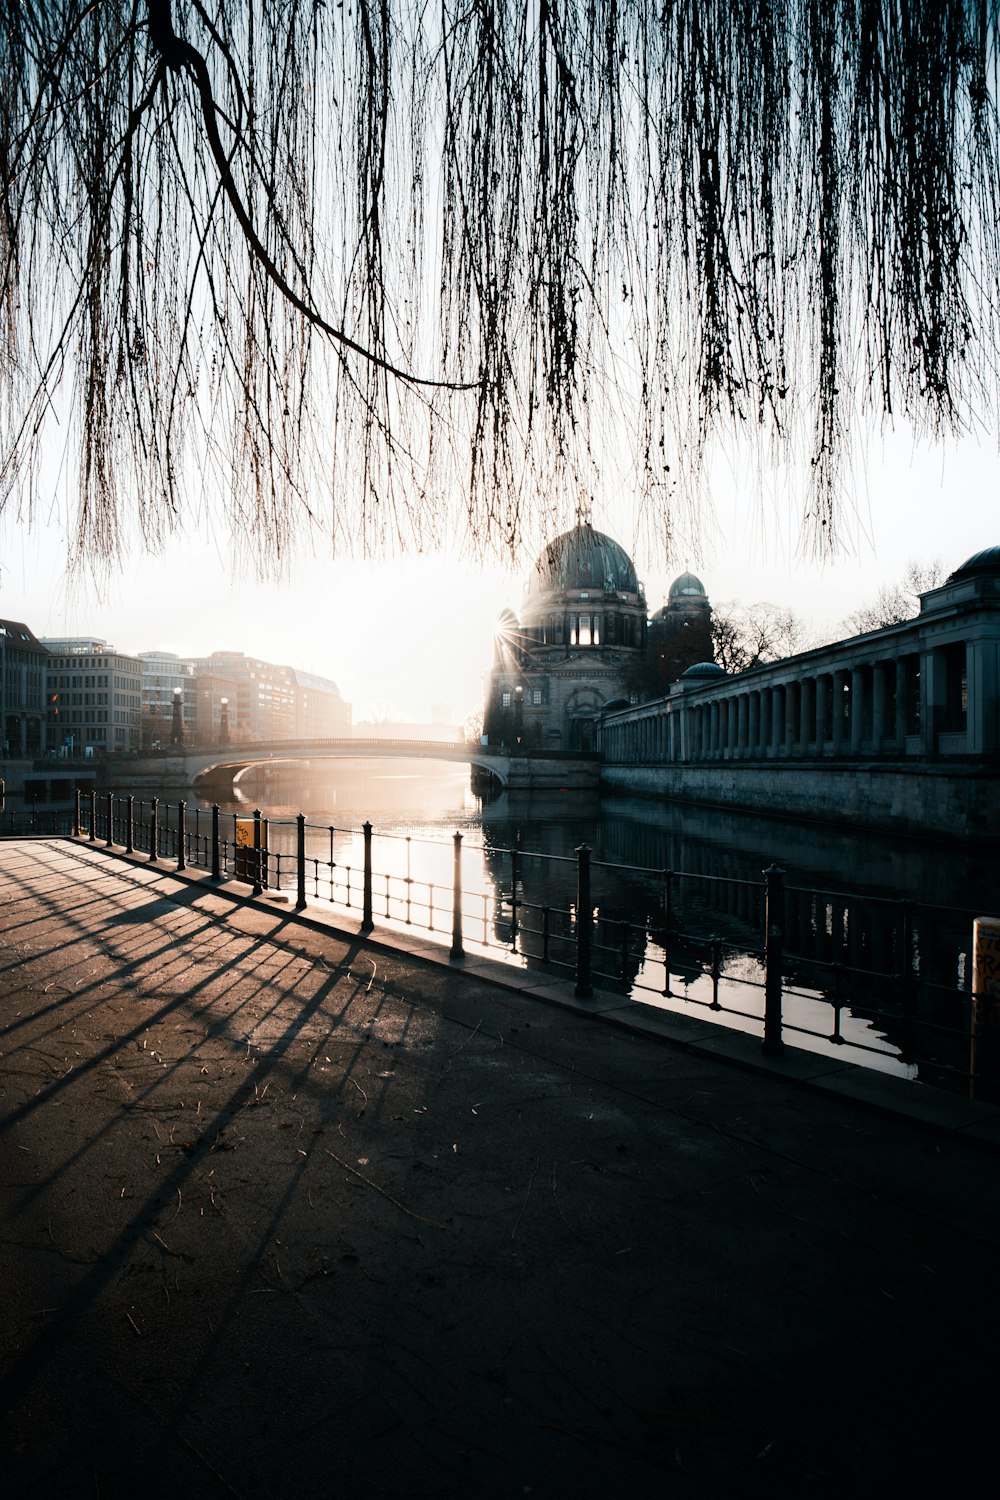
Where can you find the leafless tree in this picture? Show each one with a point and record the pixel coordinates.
(472, 728)
(896, 602)
(749, 635)
(378, 713)
(383, 267)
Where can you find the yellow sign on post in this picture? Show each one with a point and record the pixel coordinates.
(247, 864)
(985, 1060)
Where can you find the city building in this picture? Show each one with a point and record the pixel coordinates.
(167, 681)
(320, 711)
(272, 702)
(215, 712)
(582, 644)
(94, 697)
(22, 691)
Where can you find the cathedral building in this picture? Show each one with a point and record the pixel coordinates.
(583, 644)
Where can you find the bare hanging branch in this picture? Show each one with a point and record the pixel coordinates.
(387, 267)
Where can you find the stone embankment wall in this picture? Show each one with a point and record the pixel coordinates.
(949, 801)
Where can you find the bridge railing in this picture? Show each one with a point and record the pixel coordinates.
(849, 974)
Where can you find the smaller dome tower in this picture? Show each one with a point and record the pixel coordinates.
(680, 634)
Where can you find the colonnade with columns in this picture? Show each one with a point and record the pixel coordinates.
(928, 687)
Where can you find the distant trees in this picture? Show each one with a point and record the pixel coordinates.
(896, 602)
(750, 635)
(378, 713)
(472, 728)
(393, 271)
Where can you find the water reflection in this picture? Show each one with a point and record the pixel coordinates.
(881, 922)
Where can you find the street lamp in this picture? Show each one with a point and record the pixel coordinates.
(224, 721)
(518, 714)
(176, 726)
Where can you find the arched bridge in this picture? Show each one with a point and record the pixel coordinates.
(515, 770)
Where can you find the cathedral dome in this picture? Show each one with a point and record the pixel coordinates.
(687, 586)
(584, 559)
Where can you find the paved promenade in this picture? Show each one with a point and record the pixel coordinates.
(285, 1213)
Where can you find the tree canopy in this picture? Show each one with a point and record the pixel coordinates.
(896, 602)
(389, 268)
(751, 635)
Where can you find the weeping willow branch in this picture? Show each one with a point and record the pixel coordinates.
(391, 268)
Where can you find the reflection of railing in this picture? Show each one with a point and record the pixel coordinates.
(832, 969)
(22, 815)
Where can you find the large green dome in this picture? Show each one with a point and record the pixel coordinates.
(584, 559)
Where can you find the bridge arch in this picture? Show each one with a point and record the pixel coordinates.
(199, 765)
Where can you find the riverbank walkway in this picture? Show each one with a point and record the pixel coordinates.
(285, 1212)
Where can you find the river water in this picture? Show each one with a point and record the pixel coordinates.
(883, 924)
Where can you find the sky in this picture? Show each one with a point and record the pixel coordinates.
(401, 635)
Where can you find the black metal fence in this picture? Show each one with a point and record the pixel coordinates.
(25, 815)
(889, 980)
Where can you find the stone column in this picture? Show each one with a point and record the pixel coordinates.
(777, 718)
(857, 708)
(983, 668)
(901, 703)
(807, 713)
(840, 679)
(792, 714)
(934, 691)
(754, 733)
(822, 695)
(878, 705)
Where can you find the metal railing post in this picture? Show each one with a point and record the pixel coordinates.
(76, 813)
(457, 950)
(93, 816)
(774, 914)
(584, 918)
(300, 861)
(667, 919)
(216, 853)
(109, 841)
(513, 897)
(366, 918)
(181, 831)
(154, 832)
(258, 888)
(129, 822)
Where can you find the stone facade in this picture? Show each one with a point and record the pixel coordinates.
(94, 694)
